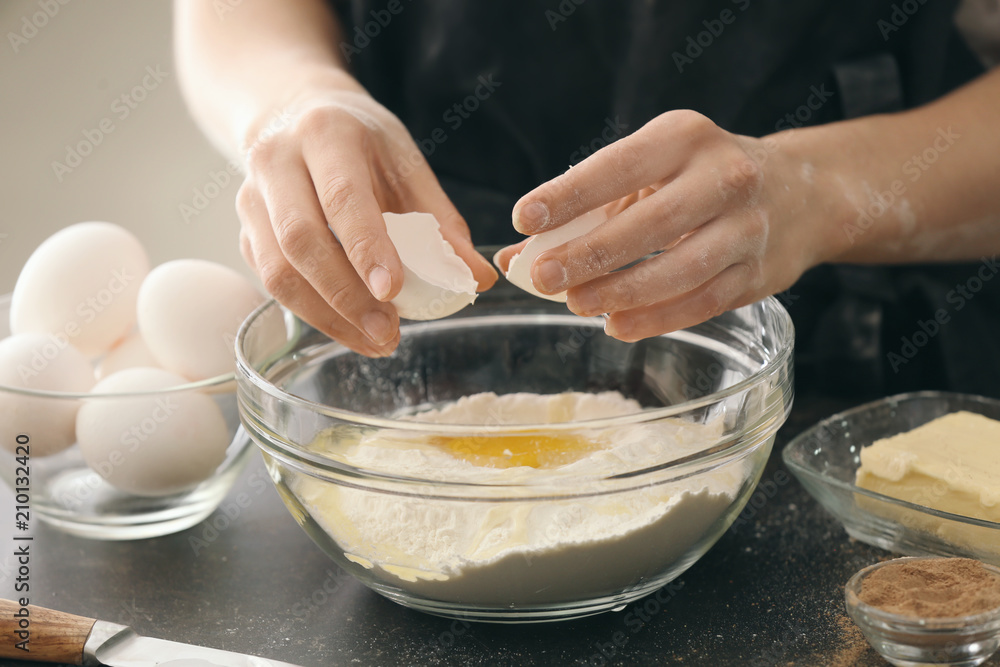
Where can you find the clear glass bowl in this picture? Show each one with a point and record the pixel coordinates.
(508, 547)
(64, 492)
(826, 457)
(909, 641)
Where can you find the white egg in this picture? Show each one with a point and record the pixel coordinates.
(151, 445)
(81, 282)
(46, 363)
(189, 312)
(129, 353)
(436, 281)
(519, 269)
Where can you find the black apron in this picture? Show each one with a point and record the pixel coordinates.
(502, 96)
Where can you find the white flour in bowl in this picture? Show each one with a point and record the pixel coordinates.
(531, 551)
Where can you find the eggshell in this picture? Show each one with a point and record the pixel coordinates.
(189, 312)
(519, 269)
(81, 282)
(151, 445)
(436, 281)
(129, 353)
(47, 363)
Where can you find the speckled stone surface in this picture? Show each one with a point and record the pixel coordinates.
(768, 593)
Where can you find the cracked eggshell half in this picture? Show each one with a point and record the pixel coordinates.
(519, 269)
(436, 281)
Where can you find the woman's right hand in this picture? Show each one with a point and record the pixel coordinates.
(311, 214)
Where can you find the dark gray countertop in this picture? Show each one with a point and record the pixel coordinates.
(768, 593)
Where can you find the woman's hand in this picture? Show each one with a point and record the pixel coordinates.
(713, 204)
(311, 213)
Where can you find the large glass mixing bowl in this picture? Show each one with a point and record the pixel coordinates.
(516, 541)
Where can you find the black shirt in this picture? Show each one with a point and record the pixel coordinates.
(504, 95)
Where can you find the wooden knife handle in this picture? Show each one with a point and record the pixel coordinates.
(51, 636)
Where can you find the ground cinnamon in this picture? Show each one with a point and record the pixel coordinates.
(932, 588)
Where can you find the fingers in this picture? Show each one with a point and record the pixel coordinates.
(304, 237)
(617, 206)
(648, 225)
(290, 287)
(344, 189)
(503, 256)
(680, 187)
(312, 219)
(428, 197)
(655, 152)
(484, 274)
(704, 254)
(723, 292)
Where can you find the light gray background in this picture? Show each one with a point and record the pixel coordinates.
(64, 81)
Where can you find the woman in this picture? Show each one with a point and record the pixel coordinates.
(749, 141)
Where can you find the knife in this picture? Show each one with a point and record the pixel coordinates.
(54, 636)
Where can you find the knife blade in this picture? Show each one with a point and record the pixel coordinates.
(38, 634)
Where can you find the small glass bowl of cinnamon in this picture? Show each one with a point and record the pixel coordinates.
(928, 611)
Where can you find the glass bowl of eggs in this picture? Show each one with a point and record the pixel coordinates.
(116, 386)
(510, 462)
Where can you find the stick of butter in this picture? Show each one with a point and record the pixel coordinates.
(950, 464)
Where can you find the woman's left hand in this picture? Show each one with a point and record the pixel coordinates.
(724, 211)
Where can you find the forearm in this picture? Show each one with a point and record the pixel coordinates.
(242, 69)
(921, 185)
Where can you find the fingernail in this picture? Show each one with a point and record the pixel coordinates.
(550, 275)
(378, 327)
(379, 282)
(587, 301)
(383, 352)
(532, 218)
(619, 327)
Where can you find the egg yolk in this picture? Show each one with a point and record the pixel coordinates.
(508, 451)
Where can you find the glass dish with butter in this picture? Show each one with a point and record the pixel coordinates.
(922, 488)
